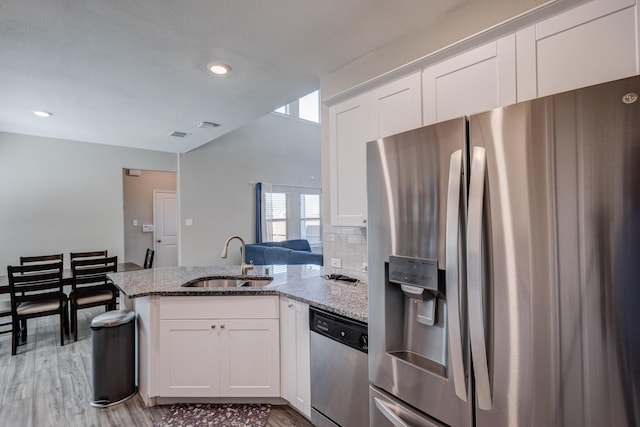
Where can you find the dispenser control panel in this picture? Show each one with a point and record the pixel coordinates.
(418, 272)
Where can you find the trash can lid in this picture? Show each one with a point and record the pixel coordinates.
(112, 318)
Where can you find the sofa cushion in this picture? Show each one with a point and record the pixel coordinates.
(277, 256)
(297, 245)
(275, 253)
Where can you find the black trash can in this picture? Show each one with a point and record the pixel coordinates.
(114, 357)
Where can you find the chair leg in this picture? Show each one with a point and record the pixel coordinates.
(62, 327)
(15, 330)
(74, 321)
(23, 331)
(66, 320)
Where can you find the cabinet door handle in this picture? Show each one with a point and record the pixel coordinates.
(222, 326)
(213, 326)
(290, 305)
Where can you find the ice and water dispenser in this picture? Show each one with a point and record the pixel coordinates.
(415, 295)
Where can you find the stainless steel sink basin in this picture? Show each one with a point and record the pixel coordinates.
(227, 283)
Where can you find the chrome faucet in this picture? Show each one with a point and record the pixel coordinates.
(245, 267)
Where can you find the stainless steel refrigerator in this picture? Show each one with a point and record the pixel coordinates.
(504, 266)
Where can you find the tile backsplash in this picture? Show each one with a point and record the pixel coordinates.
(349, 245)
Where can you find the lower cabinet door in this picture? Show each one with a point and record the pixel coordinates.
(303, 360)
(188, 360)
(249, 358)
(294, 356)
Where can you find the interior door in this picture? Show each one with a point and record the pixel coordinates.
(165, 220)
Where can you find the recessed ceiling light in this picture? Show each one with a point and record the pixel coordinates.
(219, 68)
(41, 113)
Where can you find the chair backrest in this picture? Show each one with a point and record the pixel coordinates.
(39, 259)
(34, 282)
(93, 254)
(92, 271)
(148, 258)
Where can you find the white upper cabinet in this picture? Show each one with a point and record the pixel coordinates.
(389, 109)
(478, 80)
(349, 129)
(591, 44)
(397, 106)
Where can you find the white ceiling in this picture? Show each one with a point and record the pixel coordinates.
(128, 72)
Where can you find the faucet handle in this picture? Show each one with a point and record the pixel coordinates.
(246, 267)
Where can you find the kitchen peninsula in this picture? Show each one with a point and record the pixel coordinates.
(206, 344)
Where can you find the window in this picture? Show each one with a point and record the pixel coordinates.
(282, 110)
(309, 107)
(310, 218)
(276, 216)
(292, 213)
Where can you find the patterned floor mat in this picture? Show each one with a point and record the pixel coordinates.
(227, 415)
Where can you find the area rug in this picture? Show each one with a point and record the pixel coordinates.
(227, 415)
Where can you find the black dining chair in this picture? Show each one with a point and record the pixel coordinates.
(41, 259)
(148, 258)
(36, 291)
(37, 259)
(91, 287)
(91, 254)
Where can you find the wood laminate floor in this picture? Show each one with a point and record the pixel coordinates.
(49, 385)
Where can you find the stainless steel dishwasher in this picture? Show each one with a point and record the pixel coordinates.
(339, 371)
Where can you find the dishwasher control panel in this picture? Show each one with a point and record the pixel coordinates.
(341, 329)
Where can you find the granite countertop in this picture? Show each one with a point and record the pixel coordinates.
(301, 282)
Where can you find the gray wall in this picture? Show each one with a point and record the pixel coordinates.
(59, 196)
(138, 205)
(215, 182)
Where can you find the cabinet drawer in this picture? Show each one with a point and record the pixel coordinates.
(217, 307)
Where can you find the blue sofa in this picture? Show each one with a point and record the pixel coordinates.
(289, 252)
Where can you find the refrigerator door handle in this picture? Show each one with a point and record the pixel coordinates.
(452, 269)
(389, 414)
(474, 278)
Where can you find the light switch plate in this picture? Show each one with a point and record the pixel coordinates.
(135, 222)
(188, 221)
(147, 228)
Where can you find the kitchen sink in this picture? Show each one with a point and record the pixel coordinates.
(227, 282)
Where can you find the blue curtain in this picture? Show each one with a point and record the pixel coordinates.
(258, 212)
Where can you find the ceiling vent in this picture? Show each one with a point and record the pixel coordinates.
(208, 125)
(179, 134)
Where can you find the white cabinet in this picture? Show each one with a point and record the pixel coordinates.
(397, 106)
(188, 359)
(294, 354)
(478, 80)
(593, 43)
(219, 347)
(389, 109)
(249, 358)
(349, 129)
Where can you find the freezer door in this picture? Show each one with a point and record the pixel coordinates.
(552, 262)
(416, 192)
